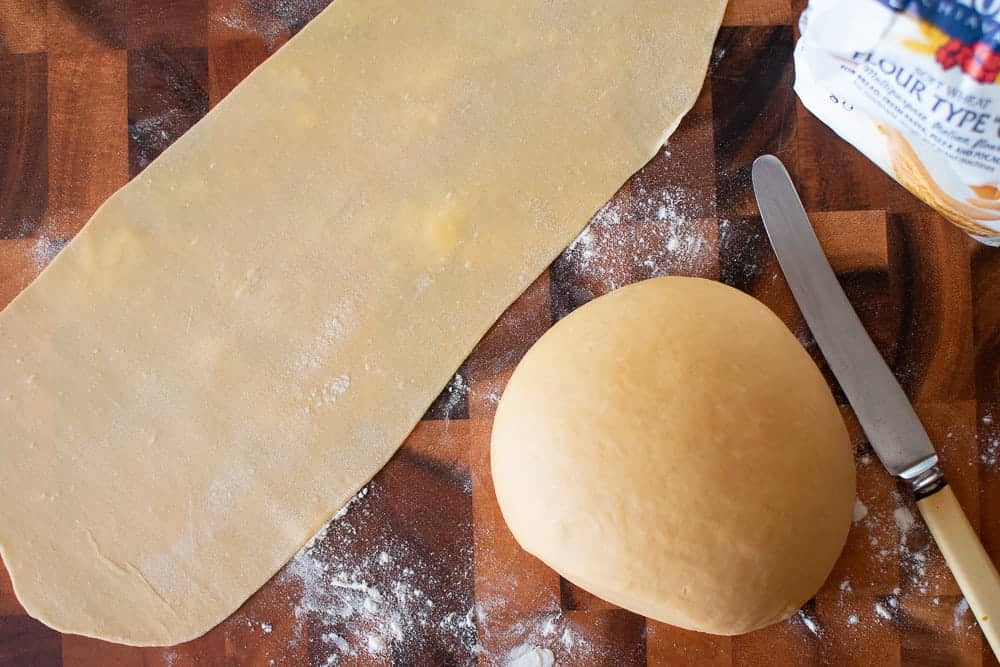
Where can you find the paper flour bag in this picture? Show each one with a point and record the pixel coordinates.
(913, 85)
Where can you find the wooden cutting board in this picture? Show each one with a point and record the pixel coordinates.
(91, 92)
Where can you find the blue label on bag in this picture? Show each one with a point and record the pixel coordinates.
(968, 21)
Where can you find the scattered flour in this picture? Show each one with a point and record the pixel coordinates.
(809, 622)
(321, 351)
(904, 521)
(989, 443)
(272, 32)
(339, 515)
(530, 656)
(272, 21)
(44, 251)
(457, 391)
(961, 609)
(860, 510)
(989, 452)
(154, 134)
(641, 235)
(330, 391)
(368, 589)
(376, 644)
(896, 536)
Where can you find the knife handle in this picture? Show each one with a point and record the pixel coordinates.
(974, 571)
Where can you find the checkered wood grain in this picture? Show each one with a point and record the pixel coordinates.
(92, 90)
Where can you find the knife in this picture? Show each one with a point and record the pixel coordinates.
(885, 414)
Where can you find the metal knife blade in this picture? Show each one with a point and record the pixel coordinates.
(885, 413)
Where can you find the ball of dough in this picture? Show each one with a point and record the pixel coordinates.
(671, 448)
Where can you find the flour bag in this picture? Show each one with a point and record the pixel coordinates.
(913, 85)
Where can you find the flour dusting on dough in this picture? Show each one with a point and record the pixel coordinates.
(318, 353)
(330, 391)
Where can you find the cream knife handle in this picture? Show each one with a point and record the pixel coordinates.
(968, 560)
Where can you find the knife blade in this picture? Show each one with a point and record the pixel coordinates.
(882, 408)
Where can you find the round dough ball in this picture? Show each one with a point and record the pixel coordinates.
(671, 448)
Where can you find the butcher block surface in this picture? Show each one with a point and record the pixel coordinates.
(420, 569)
